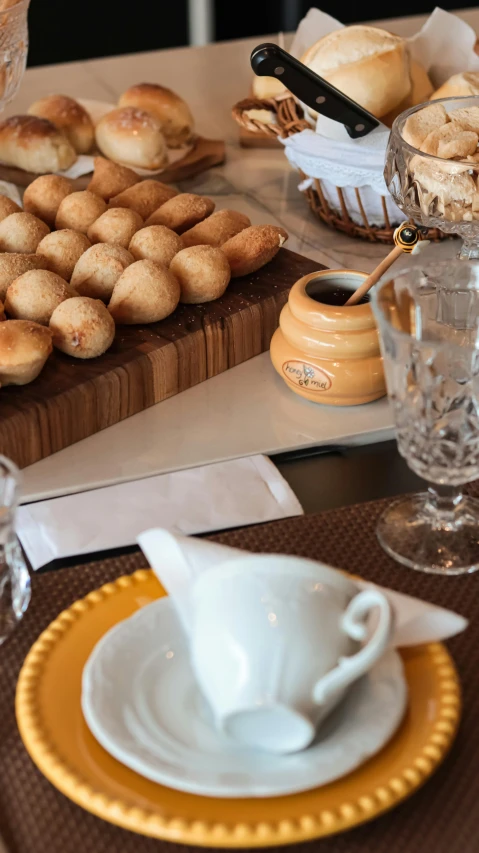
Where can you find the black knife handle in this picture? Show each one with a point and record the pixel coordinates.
(269, 60)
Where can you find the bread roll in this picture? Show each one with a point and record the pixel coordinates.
(24, 349)
(115, 226)
(13, 265)
(62, 249)
(265, 88)
(132, 137)
(7, 206)
(216, 229)
(35, 295)
(182, 212)
(155, 243)
(421, 91)
(34, 144)
(368, 64)
(79, 210)
(203, 272)
(171, 111)
(98, 270)
(82, 327)
(110, 178)
(144, 198)
(458, 86)
(252, 248)
(44, 195)
(69, 117)
(21, 232)
(145, 293)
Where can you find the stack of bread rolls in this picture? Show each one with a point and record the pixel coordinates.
(123, 251)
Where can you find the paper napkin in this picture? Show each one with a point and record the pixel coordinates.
(178, 561)
(198, 500)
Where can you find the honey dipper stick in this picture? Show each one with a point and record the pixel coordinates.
(406, 238)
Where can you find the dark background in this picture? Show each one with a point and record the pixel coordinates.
(59, 33)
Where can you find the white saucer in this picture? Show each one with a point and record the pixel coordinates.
(140, 701)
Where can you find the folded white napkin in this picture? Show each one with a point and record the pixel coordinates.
(178, 561)
(197, 500)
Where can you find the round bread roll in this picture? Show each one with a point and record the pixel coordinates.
(24, 349)
(132, 137)
(82, 327)
(155, 243)
(216, 229)
(35, 295)
(368, 64)
(253, 248)
(98, 270)
(13, 265)
(171, 111)
(458, 86)
(44, 195)
(21, 232)
(182, 212)
(110, 178)
(34, 144)
(69, 117)
(203, 272)
(115, 226)
(145, 293)
(61, 250)
(421, 90)
(79, 210)
(144, 197)
(265, 88)
(7, 206)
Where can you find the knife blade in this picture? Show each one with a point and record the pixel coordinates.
(269, 60)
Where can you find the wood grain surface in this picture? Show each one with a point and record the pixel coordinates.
(204, 154)
(74, 398)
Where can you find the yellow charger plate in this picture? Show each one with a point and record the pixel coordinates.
(56, 736)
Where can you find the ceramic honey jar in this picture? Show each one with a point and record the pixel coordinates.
(324, 350)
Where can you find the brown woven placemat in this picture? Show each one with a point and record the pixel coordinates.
(443, 817)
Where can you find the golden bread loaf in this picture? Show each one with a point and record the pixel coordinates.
(132, 137)
(69, 117)
(459, 85)
(34, 144)
(171, 111)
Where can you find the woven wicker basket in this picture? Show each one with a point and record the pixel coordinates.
(290, 119)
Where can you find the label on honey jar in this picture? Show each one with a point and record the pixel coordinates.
(306, 375)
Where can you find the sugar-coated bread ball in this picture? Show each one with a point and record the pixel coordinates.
(155, 243)
(35, 295)
(21, 232)
(24, 349)
(182, 212)
(7, 206)
(98, 270)
(79, 210)
(145, 293)
(82, 327)
(216, 229)
(62, 249)
(110, 179)
(144, 197)
(13, 265)
(203, 273)
(44, 195)
(253, 248)
(115, 226)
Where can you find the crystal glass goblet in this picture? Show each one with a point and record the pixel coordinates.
(14, 577)
(13, 47)
(433, 191)
(428, 319)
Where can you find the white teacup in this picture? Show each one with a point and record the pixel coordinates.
(276, 642)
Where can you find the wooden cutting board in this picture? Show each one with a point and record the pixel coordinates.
(72, 398)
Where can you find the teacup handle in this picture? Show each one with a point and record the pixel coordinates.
(354, 624)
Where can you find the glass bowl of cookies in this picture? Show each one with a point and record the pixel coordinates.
(432, 167)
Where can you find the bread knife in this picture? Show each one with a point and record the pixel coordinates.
(269, 60)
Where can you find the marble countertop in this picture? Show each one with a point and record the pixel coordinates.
(261, 183)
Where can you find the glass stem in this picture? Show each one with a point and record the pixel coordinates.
(444, 503)
(469, 250)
